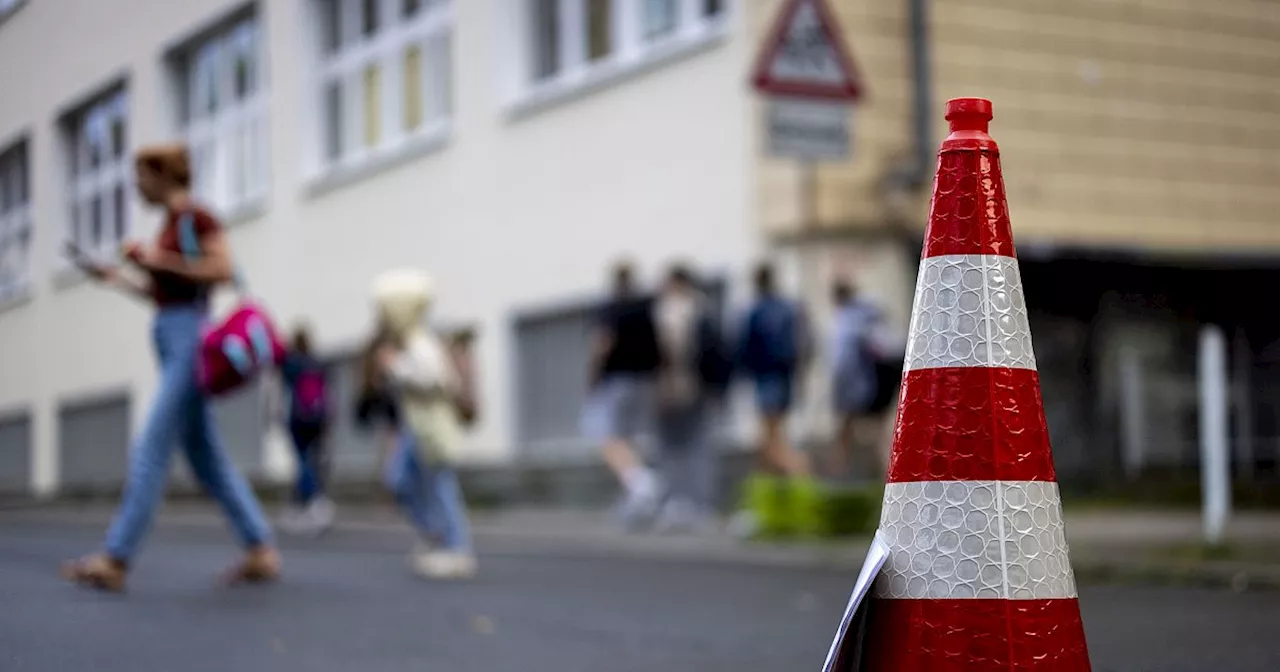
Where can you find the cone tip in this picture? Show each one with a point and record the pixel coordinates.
(969, 114)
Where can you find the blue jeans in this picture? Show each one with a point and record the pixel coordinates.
(180, 413)
(306, 442)
(430, 496)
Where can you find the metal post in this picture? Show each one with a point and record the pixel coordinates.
(1132, 411)
(1215, 475)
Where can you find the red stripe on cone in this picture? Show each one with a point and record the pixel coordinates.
(968, 214)
(976, 636)
(971, 424)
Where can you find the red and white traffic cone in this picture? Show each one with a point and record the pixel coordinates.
(977, 575)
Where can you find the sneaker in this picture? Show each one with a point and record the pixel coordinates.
(444, 564)
(321, 514)
(683, 516)
(638, 507)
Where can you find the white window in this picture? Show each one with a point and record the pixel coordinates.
(570, 43)
(224, 116)
(383, 76)
(100, 173)
(15, 221)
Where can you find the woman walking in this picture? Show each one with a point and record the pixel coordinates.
(179, 286)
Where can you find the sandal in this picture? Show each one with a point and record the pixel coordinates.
(97, 571)
(259, 565)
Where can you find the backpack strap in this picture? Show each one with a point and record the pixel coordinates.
(189, 241)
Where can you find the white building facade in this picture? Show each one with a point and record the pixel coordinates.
(514, 148)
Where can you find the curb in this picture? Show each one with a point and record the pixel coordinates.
(543, 541)
(1235, 577)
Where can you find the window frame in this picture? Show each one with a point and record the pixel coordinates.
(631, 52)
(16, 221)
(238, 127)
(79, 187)
(432, 28)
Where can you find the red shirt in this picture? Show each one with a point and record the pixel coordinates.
(169, 289)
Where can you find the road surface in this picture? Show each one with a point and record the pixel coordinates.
(348, 603)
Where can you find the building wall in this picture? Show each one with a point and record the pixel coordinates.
(517, 209)
(1136, 123)
(1149, 124)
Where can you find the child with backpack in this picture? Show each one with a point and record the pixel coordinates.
(308, 420)
(422, 372)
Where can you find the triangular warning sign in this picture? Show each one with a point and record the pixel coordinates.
(805, 56)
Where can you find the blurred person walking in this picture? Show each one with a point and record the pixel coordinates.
(308, 421)
(623, 364)
(859, 352)
(420, 370)
(774, 350)
(693, 375)
(179, 286)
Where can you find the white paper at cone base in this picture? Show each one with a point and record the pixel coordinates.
(876, 557)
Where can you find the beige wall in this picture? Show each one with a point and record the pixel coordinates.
(1146, 123)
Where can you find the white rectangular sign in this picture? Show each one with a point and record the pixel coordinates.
(809, 130)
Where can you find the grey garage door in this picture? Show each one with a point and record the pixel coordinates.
(552, 349)
(15, 454)
(93, 441)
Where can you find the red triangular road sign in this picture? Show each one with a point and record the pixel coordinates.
(805, 56)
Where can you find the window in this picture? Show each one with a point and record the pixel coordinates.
(100, 173)
(224, 115)
(384, 75)
(15, 221)
(660, 18)
(571, 42)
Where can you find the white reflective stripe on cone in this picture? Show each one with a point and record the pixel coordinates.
(974, 539)
(969, 311)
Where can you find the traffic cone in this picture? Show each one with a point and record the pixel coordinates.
(977, 575)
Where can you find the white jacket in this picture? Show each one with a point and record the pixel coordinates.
(427, 382)
(423, 373)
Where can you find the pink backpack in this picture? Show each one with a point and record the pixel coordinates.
(234, 351)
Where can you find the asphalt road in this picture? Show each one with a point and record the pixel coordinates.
(348, 603)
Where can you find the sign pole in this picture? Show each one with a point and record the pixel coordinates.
(809, 195)
(1215, 474)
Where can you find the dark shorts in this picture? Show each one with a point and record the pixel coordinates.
(773, 393)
